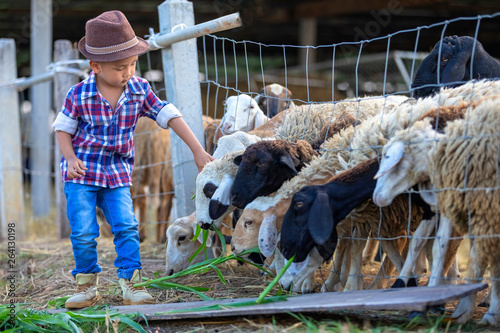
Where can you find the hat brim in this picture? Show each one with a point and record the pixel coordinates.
(137, 49)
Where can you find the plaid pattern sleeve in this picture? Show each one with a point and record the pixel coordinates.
(102, 137)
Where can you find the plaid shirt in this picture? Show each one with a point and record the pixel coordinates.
(104, 139)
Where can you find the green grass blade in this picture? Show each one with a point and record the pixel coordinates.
(275, 280)
(221, 277)
(171, 285)
(196, 233)
(131, 323)
(222, 240)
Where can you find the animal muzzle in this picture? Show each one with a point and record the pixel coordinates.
(238, 201)
(216, 209)
(205, 225)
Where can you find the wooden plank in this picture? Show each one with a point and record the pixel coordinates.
(408, 299)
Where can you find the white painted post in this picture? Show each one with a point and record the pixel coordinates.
(180, 66)
(11, 175)
(40, 152)
(63, 50)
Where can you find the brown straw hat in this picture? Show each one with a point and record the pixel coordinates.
(110, 37)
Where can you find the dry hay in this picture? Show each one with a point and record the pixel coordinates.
(44, 273)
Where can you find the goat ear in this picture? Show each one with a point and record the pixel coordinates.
(289, 161)
(268, 235)
(320, 223)
(237, 160)
(392, 157)
(427, 193)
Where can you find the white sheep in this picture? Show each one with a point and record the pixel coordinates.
(241, 113)
(364, 142)
(394, 180)
(181, 246)
(461, 168)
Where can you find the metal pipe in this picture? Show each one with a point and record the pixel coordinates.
(158, 41)
(23, 83)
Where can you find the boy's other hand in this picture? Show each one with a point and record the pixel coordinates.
(76, 168)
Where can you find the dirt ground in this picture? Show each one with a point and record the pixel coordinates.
(44, 273)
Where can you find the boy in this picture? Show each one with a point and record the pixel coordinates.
(95, 134)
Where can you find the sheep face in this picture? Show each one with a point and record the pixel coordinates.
(246, 231)
(239, 115)
(454, 65)
(211, 183)
(393, 175)
(307, 224)
(273, 99)
(261, 172)
(180, 244)
(404, 164)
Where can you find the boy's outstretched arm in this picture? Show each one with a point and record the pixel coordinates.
(201, 157)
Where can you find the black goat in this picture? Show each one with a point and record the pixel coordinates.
(454, 65)
(316, 210)
(265, 166)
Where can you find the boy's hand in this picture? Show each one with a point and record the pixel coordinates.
(76, 168)
(202, 158)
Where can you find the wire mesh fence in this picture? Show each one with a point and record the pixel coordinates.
(375, 68)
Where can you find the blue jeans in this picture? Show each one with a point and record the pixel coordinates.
(116, 204)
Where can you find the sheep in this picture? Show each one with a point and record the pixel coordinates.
(181, 246)
(265, 165)
(315, 212)
(274, 98)
(242, 113)
(454, 65)
(461, 158)
(438, 119)
(215, 180)
(361, 140)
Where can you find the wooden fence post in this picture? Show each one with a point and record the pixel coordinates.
(11, 183)
(180, 67)
(63, 50)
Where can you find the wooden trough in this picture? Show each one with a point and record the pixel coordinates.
(406, 299)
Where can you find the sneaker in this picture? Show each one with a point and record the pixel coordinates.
(133, 295)
(86, 292)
